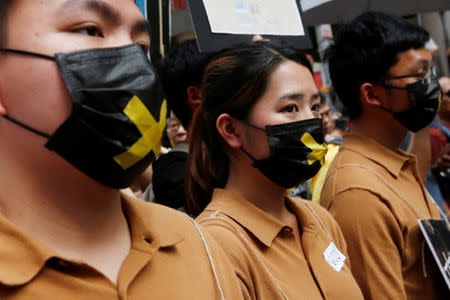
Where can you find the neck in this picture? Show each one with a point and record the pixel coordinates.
(251, 184)
(78, 219)
(65, 211)
(384, 130)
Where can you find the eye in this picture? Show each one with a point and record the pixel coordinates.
(90, 31)
(315, 108)
(290, 108)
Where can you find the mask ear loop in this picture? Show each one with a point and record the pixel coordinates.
(387, 86)
(241, 148)
(251, 125)
(20, 124)
(248, 154)
(28, 53)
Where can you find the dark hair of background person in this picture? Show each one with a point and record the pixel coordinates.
(182, 67)
(234, 81)
(5, 5)
(365, 49)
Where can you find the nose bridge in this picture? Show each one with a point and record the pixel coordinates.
(120, 38)
(307, 113)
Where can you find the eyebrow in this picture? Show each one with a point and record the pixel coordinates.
(107, 12)
(421, 63)
(292, 96)
(298, 96)
(97, 6)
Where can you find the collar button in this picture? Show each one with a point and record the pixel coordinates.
(59, 264)
(287, 230)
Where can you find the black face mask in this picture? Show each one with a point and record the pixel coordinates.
(297, 152)
(425, 98)
(115, 127)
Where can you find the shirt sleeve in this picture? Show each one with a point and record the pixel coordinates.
(374, 243)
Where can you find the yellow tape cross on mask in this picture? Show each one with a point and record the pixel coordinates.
(151, 132)
(318, 150)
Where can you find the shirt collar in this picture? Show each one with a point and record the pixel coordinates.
(392, 161)
(151, 224)
(262, 225)
(182, 147)
(23, 257)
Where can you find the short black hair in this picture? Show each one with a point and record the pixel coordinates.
(5, 5)
(182, 67)
(365, 49)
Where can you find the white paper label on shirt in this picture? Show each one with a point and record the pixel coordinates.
(334, 257)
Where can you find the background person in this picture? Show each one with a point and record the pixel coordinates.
(334, 138)
(170, 168)
(382, 73)
(440, 143)
(181, 74)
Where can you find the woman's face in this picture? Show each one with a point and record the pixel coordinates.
(291, 95)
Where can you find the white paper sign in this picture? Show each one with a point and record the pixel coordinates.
(265, 17)
(334, 257)
(309, 4)
(437, 235)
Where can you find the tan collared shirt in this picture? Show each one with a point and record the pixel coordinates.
(377, 196)
(266, 256)
(167, 260)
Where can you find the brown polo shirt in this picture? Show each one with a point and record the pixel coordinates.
(167, 260)
(267, 258)
(377, 196)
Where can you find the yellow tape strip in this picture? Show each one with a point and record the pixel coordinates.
(150, 129)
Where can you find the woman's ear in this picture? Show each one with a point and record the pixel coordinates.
(228, 128)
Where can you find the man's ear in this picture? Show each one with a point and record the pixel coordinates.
(228, 129)
(370, 94)
(194, 97)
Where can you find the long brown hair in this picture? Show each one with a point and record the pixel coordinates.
(234, 81)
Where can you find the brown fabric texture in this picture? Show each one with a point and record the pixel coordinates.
(167, 260)
(377, 196)
(269, 261)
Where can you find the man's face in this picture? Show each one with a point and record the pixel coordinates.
(412, 61)
(175, 131)
(31, 89)
(444, 111)
(328, 123)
